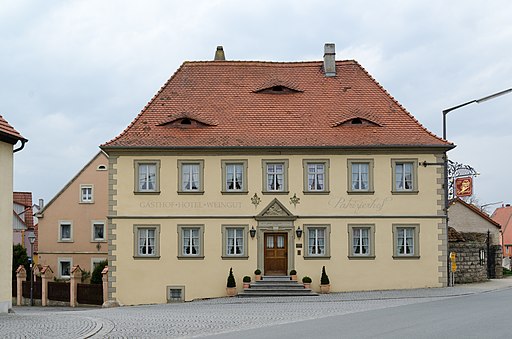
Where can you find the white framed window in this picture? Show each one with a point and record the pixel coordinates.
(234, 241)
(147, 241)
(360, 176)
(361, 241)
(65, 231)
(275, 178)
(98, 231)
(316, 176)
(405, 175)
(86, 194)
(317, 240)
(191, 241)
(191, 176)
(406, 241)
(234, 173)
(65, 265)
(147, 176)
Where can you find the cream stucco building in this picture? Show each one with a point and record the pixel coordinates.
(231, 149)
(73, 225)
(8, 138)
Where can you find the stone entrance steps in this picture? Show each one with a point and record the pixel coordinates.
(276, 286)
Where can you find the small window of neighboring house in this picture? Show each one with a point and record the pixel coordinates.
(86, 193)
(65, 268)
(65, 231)
(98, 231)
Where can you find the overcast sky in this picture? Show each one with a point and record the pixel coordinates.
(74, 74)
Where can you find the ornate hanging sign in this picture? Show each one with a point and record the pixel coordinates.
(464, 187)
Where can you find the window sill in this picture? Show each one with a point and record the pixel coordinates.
(361, 257)
(320, 257)
(94, 241)
(405, 192)
(86, 202)
(146, 193)
(360, 192)
(65, 240)
(233, 257)
(276, 192)
(317, 192)
(234, 192)
(146, 257)
(406, 257)
(190, 192)
(190, 257)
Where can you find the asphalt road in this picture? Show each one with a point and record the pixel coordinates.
(484, 315)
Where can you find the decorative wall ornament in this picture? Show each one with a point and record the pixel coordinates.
(294, 200)
(255, 200)
(275, 210)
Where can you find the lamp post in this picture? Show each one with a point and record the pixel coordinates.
(31, 239)
(445, 113)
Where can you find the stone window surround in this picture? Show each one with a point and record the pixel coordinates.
(326, 163)
(415, 188)
(198, 256)
(245, 231)
(371, 235)
(327, 241)
(264, 164)
(136, 229)
(59, 235)
(416, 241)
(136, 164)
(244, 163)
(199, 162)
(370, 163)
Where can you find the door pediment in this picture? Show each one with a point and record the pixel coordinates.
(275, 211)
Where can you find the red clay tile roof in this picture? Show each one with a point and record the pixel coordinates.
(25, 199)
(9, 132)
(233, 108)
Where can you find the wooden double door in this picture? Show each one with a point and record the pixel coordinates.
(276, 254)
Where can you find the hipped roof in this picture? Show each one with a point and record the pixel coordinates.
(233, 104)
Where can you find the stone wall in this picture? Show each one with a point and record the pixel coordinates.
(467, 247)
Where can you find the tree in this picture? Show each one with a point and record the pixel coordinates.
(19, 257)
(96, 277)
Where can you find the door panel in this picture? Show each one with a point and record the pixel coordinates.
(276, 254)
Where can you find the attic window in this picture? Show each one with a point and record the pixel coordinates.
(356, 121)
(101, 168)
(277, 89)
(186, 122)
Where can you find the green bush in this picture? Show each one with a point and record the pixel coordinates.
(506, 271)
(324, 280)
(293, 272)
(306, 280)
(247, 279)
(96, 277)
(231, 279)
(257, 271)
(19, 257)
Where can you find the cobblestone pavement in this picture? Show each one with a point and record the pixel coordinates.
(214, 316)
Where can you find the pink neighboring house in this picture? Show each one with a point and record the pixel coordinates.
(503, 216)
(23, 219)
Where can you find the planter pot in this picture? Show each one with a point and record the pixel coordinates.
(293, 277)
(257, 277)
(247, 284)
(307, 285)
(325, 289)
(231, 291)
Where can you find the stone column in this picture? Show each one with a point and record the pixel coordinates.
(76, 276)
(46, 276)
(104, 278)
(21, 274)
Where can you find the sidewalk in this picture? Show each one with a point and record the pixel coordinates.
(214, 316)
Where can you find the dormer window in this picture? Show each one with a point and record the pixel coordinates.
(186, 122)
(277, 89)
(356, 121)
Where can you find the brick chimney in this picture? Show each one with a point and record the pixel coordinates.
(329, 60)
(219, 54)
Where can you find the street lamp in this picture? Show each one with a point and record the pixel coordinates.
(31, 239)
(445, 113)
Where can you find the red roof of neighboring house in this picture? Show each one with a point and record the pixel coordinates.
(273, 104)
(25, 199)
(503, 216)
(8, 132)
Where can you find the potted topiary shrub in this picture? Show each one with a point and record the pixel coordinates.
(247, 281)
(231, 284)
(306, 281)
(293, 275)
(325, 286)
(257, 274)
